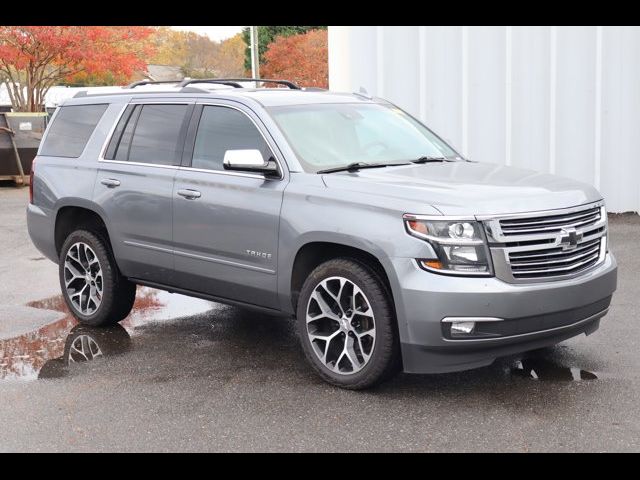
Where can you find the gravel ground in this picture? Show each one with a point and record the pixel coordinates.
(25, 275)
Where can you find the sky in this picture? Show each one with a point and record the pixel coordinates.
(214, 33)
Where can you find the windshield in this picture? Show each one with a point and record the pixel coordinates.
(328, 136)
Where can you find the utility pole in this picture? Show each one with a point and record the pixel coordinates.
(255, 59)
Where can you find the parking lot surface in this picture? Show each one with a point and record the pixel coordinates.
(184, 374)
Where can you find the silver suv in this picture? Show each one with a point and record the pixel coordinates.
(391, 249)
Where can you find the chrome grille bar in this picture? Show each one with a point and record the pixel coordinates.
(551, 252)
(551, 270)
(527, 262)
(554, 219)
(556, 225)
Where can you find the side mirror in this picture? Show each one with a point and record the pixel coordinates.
(249, 161)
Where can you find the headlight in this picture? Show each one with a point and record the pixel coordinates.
(460, 245)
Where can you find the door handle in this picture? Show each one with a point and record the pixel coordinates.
(189, 194)
(110, 182)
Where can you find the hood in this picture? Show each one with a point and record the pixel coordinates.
(468, 188)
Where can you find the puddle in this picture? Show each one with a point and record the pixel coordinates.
(84, 344)
(53, 350)
(49, 351)
(546, 370)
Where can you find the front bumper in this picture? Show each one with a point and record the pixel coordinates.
(533, 315)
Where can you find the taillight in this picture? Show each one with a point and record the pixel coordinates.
(33, 168)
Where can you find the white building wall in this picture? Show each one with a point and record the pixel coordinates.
(564, 100)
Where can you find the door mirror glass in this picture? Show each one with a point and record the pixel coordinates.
(249, 161)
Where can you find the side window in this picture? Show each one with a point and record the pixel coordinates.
(114, 152)
(148, 134)
(221, 129)
(124, 142)
(71, 130)
(155, 138)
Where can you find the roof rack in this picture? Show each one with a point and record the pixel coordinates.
(217, 81)
(233, 82)
(150, 82)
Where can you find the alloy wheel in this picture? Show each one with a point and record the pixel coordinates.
(83, 278)
(341, 325)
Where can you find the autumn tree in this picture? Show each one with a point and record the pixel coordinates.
(170, 46)
(303, 59)
(230, 57)
(33, 59)
(197, 55)
(201, 56)
(266, 35)
(85, 79)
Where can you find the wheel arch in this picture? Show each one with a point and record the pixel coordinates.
(313, 251)
(75, 214)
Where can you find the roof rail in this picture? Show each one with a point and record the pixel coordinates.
(233, 82)
(150, 82)
(218, 81)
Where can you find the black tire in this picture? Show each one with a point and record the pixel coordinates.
(118, 293)
(385, 356)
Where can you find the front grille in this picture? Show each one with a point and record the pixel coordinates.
(550, 224)
(554, 261)
(547, 246)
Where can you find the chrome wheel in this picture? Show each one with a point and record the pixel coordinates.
(84, 349)
(83, 278)
(341, 325)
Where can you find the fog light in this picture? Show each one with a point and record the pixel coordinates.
(462, 328)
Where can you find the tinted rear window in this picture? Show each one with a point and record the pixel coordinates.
(156, 134)
(71, 129)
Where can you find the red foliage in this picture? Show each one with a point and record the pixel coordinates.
(302, 58)
(39, 57)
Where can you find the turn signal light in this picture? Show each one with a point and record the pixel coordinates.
(418, 227)
(437, 264)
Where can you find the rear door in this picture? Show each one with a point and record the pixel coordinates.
(226, 233)
(135, 186)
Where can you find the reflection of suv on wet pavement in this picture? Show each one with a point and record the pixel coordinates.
(390, 248)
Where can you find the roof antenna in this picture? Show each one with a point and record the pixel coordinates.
(362, 92)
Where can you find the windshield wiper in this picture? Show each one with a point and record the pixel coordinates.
(428, 159)
(355, 166)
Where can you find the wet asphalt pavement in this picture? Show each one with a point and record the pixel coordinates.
(183, 374)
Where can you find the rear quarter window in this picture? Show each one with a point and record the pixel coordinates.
(71, 129)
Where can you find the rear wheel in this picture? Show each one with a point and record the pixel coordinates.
(92, 286)
(346, 324)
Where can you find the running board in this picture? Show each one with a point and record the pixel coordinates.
(207, 296)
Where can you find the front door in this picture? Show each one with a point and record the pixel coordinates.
(225, 224)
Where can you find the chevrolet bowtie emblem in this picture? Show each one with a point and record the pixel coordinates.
(570, 238)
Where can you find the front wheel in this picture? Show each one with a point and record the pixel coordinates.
(92, 286)
(346, 324)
